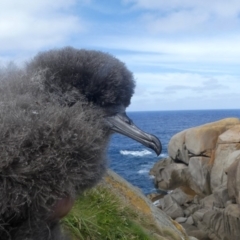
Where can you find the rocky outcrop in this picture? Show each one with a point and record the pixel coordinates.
(166, 228)
(225, 155)
(233, 178)
(203, 163)
(198, 141)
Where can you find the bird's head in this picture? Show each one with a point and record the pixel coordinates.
(101, 80)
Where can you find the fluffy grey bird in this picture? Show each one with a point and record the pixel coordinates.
(56, 117)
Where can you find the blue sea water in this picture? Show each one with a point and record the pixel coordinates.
(133, 161)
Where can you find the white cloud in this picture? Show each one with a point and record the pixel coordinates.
(188, 17)
(156, 50)
(35, 6)
(180, 51)
(176, 91)
(175, 21)
(219, 7)
(32, 25)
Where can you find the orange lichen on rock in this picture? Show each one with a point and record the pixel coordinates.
(130, 195)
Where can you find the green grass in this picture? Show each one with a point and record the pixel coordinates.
(100, 215)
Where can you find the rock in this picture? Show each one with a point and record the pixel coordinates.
(200, 235)
(196, 199)
(170, 177)
(159, 203)
(181, 219)
(192, 238)
(198, 215)
(157, 236)
(207, 202)
(189, 228)
(187, 190)
(196, 148)
(213, 223)
(190, 220)
(210, 222)
(233, 180)
(194, 232)
(198, 141)
(172, 208)
(220, 196)
(230, 136)
(199, 175)
(225, 155)
(181, 197)
(221, 223)
(155, 196)
(135, 198)
(231, 220)
(191, 209)
(201, 140)
(228, 203)
(161, 164)
(177, 149)
(205, 164)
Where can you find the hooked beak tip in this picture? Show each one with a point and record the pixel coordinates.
(122, 124)
(156, 145)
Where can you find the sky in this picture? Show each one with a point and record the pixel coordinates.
(184, 54)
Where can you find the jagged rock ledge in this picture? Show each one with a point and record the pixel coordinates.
(166, 227)
(203, 172)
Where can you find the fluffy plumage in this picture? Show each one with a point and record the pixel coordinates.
(101, 78)
(53, 134)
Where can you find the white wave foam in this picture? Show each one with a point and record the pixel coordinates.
(143, 171)
(163, 155)
(136, 153)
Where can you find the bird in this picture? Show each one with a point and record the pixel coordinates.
(57, 115)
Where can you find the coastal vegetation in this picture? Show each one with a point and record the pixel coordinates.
(103, 213)
(99, 214)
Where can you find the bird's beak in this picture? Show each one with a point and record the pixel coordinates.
(121, 123)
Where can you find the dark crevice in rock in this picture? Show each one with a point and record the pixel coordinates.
(179, 161)
(202, 154)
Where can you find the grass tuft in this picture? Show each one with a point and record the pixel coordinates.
(99, 215)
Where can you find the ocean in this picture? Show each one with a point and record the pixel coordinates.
(133, 161)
